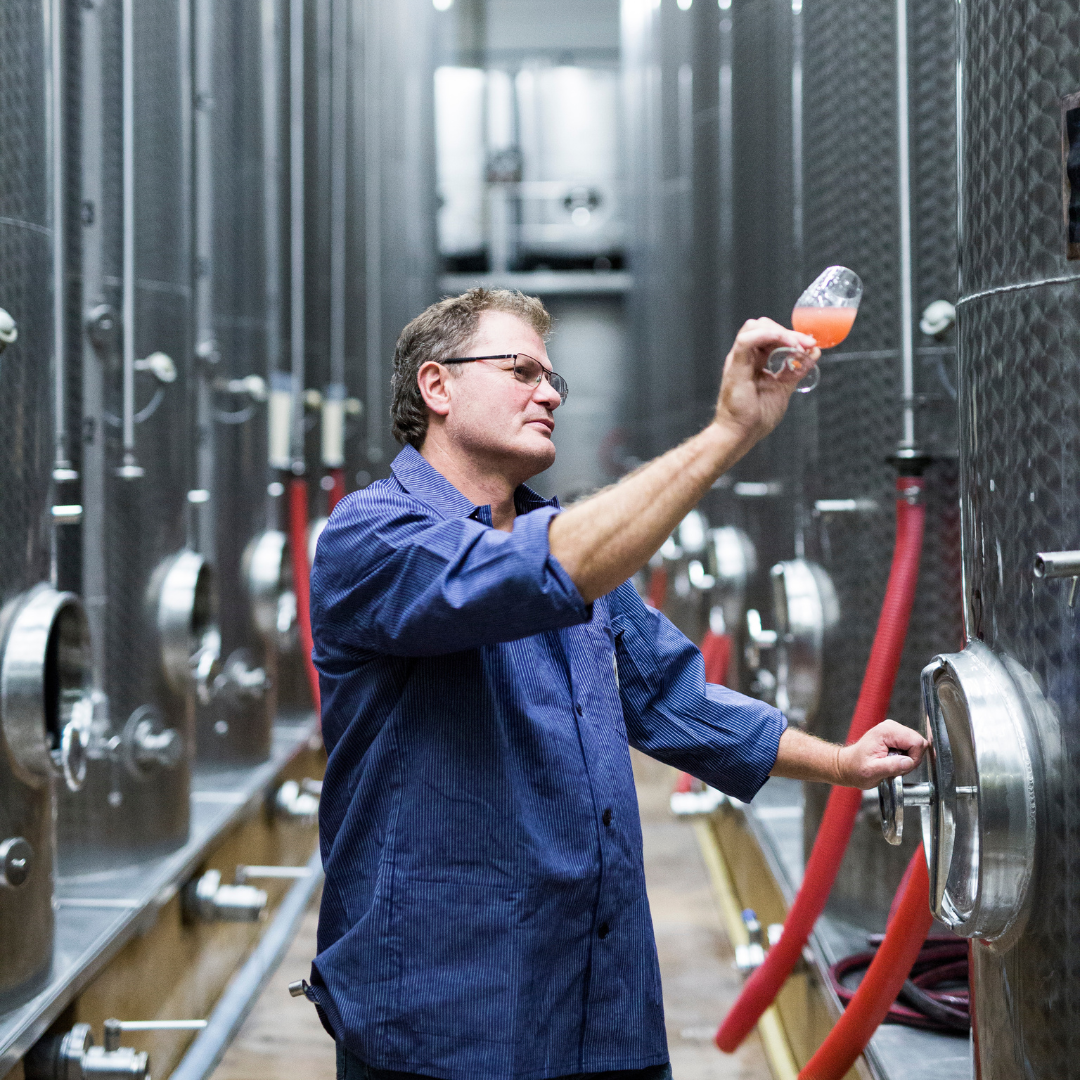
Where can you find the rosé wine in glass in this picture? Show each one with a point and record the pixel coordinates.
(826, 311)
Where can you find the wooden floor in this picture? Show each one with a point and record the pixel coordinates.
(282, 1039)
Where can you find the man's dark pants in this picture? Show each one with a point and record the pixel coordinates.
(350, 1067)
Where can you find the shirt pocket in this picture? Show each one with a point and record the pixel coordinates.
(459, 959)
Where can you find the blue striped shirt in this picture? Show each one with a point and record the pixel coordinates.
(484, 914)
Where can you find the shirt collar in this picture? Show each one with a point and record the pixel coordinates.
(417, 476)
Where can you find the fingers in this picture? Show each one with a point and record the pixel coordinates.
(898, 737)
(764, 335)
(887, 750)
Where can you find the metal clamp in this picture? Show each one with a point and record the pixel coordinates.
(205, 899)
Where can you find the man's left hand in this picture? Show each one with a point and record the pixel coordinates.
(866, 763)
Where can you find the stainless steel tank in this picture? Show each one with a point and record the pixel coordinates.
(1009, 700)
(569, 199)
(853, 214)
(150, 596)
(393, 231)
(238, 51)
(712, 243)
(44, 638)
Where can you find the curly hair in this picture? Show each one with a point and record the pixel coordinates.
(442, 330)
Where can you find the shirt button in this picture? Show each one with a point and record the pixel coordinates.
(602, 930)
(579, 709)
(607, 816)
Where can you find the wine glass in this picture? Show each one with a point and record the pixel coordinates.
(826, 310)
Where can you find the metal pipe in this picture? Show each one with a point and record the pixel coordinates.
(334, 398)
(903, 162)
(296, 225)
(224, 1022)
(1057, 564)
(129, 470)
(373, 229)
(797, 134)
(54, 59)
(94, 451)
(726, 171)
(271, 44)
(339, 143)
(206, 353)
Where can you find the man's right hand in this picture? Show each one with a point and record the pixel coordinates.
(752, 399)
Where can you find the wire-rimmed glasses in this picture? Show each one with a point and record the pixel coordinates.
(527, 369)
(826, 311)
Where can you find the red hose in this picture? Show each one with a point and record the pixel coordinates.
(716, 652)
(844, 803)
(298, 545)
(876, 993)
(657, 588)
(337, 492)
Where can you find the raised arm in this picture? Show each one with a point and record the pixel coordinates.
(603, 540)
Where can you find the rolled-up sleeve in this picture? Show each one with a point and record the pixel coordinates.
(673, 714)
(393, 577)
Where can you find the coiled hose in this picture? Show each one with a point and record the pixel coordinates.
(921, 1003)
(844, 803)
(889, 970)
(298, 547)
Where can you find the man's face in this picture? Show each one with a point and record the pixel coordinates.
(494, 416)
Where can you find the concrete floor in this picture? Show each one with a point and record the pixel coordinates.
(282, 1039)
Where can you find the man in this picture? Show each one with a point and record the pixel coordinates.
(483, 664)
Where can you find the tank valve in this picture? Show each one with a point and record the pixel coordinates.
(937, 318)
(16, 861)
(893, 795)
(205, 899)
(160, 365)
(253, 386)
(759, 641)
(9, 332)
(292, 801)
(696, 803)
(1059, 564)
(240, 679)
(74, 1056)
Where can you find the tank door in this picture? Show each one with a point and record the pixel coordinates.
(46, 711)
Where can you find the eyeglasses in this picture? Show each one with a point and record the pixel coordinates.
(527, 369)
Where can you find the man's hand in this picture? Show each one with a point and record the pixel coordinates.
(862, 765)
(752, 400)
(869, 761)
